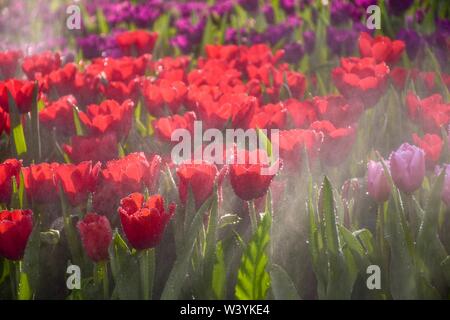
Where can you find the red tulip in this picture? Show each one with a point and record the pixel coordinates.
(62, 81)
(301, 113)
(144, 222)
(381, 48)
(99, 148)
(109, 116)
(337, 109)
(432, 145)
(41, 182)
(39, 65)
(78, 181)
(270, 116)
(120, 178)
(4, 122)
(431, 112)
(337, 142)
(293, 142)
(248, 177)
(164, 127)
(200, 178)
(138, 42)
(15, 229)
(363, 79)
(59, 115)
(9, 61)
(21, 91)
(8, 169)
(96, 236)
(165, 93)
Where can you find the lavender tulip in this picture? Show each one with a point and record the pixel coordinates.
(408, 167)
(378, 185)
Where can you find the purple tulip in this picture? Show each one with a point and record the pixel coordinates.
(293, 52)
(398, 7)
(377, 183)
(412, 40)
(408, 167)
(309, 38)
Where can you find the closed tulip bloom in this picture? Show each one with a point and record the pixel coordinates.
(377, 183)
(144, 221)
(408, 167)
(15, 229)
(200, 178)
(96, 236)
(247, 177)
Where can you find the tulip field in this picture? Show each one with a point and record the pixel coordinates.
(228, 149)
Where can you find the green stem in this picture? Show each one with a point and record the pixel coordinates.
(253, 217)
(147, 269)
(103, 271)
(13, 279)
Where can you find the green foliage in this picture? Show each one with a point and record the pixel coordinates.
(253, 280)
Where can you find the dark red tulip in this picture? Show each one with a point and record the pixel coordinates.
(9, 62)
(8, 169)
(96, 236)
(15, 229)
(251, 174)
(143, 222)
(5, 124)
(99, 148)
(200, 178)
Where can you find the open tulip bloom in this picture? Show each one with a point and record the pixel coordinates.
(241, 149)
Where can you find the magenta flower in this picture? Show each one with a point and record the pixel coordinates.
(408, 167)
(377, 183)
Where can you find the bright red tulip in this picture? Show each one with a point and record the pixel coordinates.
(143, 222)
(15, 229)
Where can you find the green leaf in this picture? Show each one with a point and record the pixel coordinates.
(76, 120)
(210, 245)
(103, 27)
(36, 136)
(125, 269)
(282, 286)
(23, 290)
(402, 269)
(17, 128)
(253, 280)
(219, 275)
(180, 269)
(429, 247)
(30, 262)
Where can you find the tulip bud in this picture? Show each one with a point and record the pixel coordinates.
(378, 185)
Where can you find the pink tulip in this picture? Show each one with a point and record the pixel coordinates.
(377, 183)
(408, 167)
